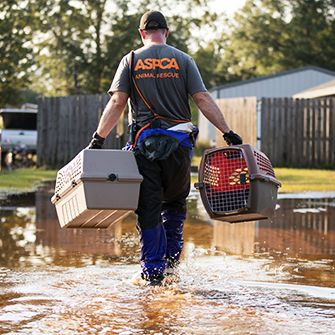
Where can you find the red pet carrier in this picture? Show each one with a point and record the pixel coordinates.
(237, 184)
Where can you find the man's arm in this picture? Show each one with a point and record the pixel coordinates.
(112, 113)
(109, 119)
(211, 110)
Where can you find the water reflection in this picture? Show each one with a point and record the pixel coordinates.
(256, 277)
(300, 228)
(30, 234)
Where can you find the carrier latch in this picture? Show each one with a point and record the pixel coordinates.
(112, 177)
(199, 186)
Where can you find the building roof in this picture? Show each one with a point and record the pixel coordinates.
(271, 76)
(323, 90)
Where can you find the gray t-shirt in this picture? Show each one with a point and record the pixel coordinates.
(165, 77)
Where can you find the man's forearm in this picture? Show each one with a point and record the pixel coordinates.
(112, 113)
(210, 109)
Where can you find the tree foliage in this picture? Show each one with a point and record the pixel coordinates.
(83, 41)
(69, 45)
(269, 36)
(62, 47)
(16, 57)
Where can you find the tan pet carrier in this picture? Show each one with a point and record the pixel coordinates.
(97, 188)
(237, 184)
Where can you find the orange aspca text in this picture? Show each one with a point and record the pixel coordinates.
(153, 63)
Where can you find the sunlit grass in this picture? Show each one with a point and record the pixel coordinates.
(297, 180)
(292, 180)
(303, 180)
(24, 179)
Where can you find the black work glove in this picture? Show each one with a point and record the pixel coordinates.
(232, 138)
(96, 142)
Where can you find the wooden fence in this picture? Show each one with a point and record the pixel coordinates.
(65, 126)
(294, 132)
(299, 132)
(240, 114)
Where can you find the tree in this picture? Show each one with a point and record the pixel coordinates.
(269, 36)
(207, 59)
(16, 57)
(68, 45)
(255, 43)
(85, 40)
(310, 33)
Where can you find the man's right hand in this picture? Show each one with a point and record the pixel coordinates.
(232, 138)
(96, 142)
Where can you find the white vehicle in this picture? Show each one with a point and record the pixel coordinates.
(19, 131)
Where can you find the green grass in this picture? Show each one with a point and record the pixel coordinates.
(304, 180)
(24, 179)
(292, 180)
(297, 180)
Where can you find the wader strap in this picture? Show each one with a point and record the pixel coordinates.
(133, 100)
(155, 115)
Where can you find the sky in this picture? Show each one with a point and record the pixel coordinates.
(227, 6)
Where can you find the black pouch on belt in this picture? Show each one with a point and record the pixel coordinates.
(132, 130)
(158, 147)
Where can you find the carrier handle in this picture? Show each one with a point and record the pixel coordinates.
(112, 177)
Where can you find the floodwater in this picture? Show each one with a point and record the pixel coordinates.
(265, 277)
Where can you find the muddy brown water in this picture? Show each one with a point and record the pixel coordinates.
(260, 277)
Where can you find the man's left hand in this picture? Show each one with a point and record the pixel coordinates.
(232, 138)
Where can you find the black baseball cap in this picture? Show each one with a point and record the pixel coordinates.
(153, 20)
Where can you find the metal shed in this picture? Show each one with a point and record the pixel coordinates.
(284, 84)
(324, 90)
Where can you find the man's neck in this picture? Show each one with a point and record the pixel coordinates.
(155, 38)
(154, 43)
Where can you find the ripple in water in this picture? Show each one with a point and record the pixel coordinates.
(220, 295)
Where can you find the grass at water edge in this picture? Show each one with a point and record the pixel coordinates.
(298, 180)
(26, 179)
(292, 180)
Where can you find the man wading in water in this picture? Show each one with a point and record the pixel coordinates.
(159, 79)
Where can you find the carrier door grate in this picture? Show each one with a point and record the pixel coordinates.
(264, 164)
(226, 180)
(68, 174)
